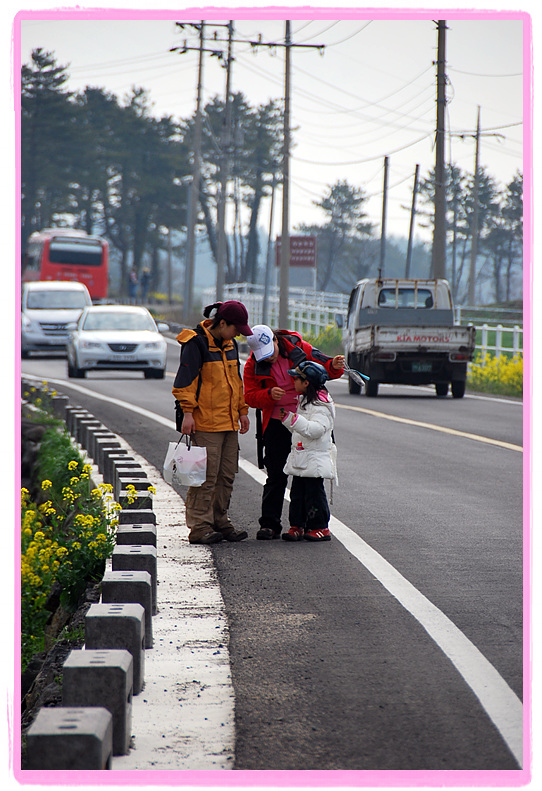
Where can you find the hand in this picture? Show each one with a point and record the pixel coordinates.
(244, 422)
(338, 362)
(188, 426)
(283, 414)
(276, 393)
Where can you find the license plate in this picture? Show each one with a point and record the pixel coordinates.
(121, 358)
(421, 368)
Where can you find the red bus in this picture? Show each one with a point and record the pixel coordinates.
(67, 254)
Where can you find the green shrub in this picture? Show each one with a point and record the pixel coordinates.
(329, 341)
(67, 533)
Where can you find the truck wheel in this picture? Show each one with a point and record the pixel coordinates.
(441, 389)
(353, 387)
(458, 389)
(371, 389)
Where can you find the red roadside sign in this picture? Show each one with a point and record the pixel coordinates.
(302, 251)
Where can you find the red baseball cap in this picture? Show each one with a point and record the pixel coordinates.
(235, 313)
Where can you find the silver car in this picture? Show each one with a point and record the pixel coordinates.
(47, 307)
(117, 337)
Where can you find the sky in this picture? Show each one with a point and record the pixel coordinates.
(363, 87)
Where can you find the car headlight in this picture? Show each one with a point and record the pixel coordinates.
(90, 345)
(153, 345)
(28, 325)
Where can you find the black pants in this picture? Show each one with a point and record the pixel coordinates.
(277, 442)
(309, 508)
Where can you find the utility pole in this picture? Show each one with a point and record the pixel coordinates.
(169, 257)
(438, 262)
(196, 166)
(268, 262)
(476, 202)
(284, 280)
(225, 143)
(412, 220)
(474, 242)
(384, 217)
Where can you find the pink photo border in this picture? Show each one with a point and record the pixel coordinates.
(314, 779)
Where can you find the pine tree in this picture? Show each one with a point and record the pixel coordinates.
(48, 139)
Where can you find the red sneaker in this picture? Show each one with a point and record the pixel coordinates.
(318, 535)
(293, 534)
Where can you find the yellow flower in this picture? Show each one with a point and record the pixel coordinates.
(46, 484)
(74, 481)
(72, 465)
(151, 489)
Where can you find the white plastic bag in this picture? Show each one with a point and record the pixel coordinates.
(185, 463)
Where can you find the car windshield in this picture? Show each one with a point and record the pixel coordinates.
(102, 320)
(56, 300)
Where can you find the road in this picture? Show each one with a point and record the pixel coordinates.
(399, 644)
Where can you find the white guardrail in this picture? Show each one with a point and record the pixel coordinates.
(311, 312)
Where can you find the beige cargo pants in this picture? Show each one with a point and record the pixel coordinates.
(207, 505)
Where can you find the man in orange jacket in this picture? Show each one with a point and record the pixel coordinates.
(269, 387)
(209, 389)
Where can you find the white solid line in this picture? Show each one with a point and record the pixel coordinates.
(498, 700)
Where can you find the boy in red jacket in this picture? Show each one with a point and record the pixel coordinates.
(269, 387)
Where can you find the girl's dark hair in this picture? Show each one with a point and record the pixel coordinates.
(310, 396)
(282, 345)
(217, 318)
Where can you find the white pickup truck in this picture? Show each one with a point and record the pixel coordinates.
(403, 332)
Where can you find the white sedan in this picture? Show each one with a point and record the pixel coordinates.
(116, 337)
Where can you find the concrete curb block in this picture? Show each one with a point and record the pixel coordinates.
(183, 717)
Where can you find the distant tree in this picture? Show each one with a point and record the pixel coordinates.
(98, 115)
(345, 251)
(49, 137)
(512, 210)
(499, 229)
(144, 189)
(254, 149)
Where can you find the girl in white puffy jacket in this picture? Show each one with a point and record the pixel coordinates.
(312, 458)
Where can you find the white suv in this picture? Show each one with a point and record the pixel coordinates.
(47, 308)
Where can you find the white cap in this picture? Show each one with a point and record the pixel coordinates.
(261, 341)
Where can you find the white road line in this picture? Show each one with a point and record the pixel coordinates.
(425, 389)
(498, 700)
(432, 427)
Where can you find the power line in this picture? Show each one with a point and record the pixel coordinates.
(368, 159)
(334, 44)
(475, 74)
